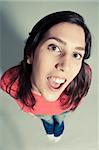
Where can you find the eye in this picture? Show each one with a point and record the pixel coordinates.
(54, 47)
(77, 55)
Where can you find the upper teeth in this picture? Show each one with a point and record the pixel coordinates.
(58, 80)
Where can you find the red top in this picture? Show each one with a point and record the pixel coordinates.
(41, 107)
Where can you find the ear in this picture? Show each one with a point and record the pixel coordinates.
(29, 59)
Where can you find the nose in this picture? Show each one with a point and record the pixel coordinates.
(63, 64)
(59, 67)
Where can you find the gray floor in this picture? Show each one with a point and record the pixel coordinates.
(21, 131)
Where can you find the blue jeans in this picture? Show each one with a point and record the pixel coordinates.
(53, 124)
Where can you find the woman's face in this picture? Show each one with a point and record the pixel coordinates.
(57, 60)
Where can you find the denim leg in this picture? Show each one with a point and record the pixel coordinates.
(59, 124)
(48, 123)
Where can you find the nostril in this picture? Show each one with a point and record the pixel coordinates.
(59, 67)
(62, 69)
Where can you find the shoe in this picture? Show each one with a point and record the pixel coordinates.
(51, 137)
(57, 138)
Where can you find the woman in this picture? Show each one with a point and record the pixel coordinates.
(53, 77)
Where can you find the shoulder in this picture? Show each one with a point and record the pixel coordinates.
(8, 76)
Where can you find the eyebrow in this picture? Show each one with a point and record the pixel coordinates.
(57, 39)
(64, 43)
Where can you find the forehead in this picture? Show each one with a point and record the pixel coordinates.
(67, 31)
(65, 27)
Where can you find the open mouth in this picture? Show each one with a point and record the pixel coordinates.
(56, 82)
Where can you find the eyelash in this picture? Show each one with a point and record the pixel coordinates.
(77, 54)
(54, 47)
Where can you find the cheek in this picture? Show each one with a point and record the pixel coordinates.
(44, 65)
(76, 70)
(40, 69)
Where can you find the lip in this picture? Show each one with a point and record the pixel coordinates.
(56, 89)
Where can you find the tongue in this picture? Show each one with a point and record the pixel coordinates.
(53, 84)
